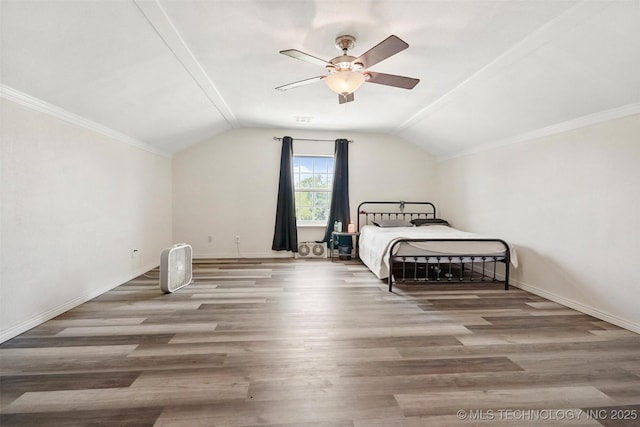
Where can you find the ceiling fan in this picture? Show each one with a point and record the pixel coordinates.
(347, 73)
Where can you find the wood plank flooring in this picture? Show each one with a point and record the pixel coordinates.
(311, 343)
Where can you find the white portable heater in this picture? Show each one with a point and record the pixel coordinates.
(175, 267)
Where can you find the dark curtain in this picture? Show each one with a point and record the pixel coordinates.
(339, 210)
(285, 235)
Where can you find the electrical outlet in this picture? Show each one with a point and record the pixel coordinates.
(237, 239)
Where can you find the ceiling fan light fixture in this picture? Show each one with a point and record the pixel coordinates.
(346, 73)
(344, 82)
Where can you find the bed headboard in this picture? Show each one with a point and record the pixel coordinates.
(400, 210)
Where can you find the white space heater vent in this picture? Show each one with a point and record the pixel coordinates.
(311, 250)
(175, 267)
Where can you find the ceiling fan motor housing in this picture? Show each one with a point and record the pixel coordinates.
(343, 63)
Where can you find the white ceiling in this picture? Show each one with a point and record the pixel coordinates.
(171, 73)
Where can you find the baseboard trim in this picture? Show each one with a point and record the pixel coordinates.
(583, 308)
(63, 308)
(229, 255)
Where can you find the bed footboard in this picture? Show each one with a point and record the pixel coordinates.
(463, 267)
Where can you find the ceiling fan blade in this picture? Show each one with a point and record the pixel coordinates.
(343, 99)
(386, 48)
(300, 83)
(392, 80)
(294, 53)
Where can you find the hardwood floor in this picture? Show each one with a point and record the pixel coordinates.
(310, 343)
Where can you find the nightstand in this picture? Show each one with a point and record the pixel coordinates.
(333, 251)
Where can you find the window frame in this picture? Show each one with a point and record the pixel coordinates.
(328, 190)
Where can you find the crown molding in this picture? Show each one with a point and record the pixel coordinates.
(41, 106)
(580, 122)
(524, 47)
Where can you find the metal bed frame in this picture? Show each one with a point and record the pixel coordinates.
(411, 267)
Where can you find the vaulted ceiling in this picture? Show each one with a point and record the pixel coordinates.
(170, 73)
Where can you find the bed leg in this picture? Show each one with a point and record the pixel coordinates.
(506, 274)
(390, 281)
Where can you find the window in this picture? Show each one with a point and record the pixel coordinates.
(312, 181)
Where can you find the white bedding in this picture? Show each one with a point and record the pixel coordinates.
(375, 242)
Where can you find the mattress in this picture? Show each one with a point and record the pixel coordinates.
(375, 242)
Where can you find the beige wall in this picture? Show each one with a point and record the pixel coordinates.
(74, 205)
(570, 203)
(228, 185)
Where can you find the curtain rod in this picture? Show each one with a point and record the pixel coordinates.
(277, 138)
